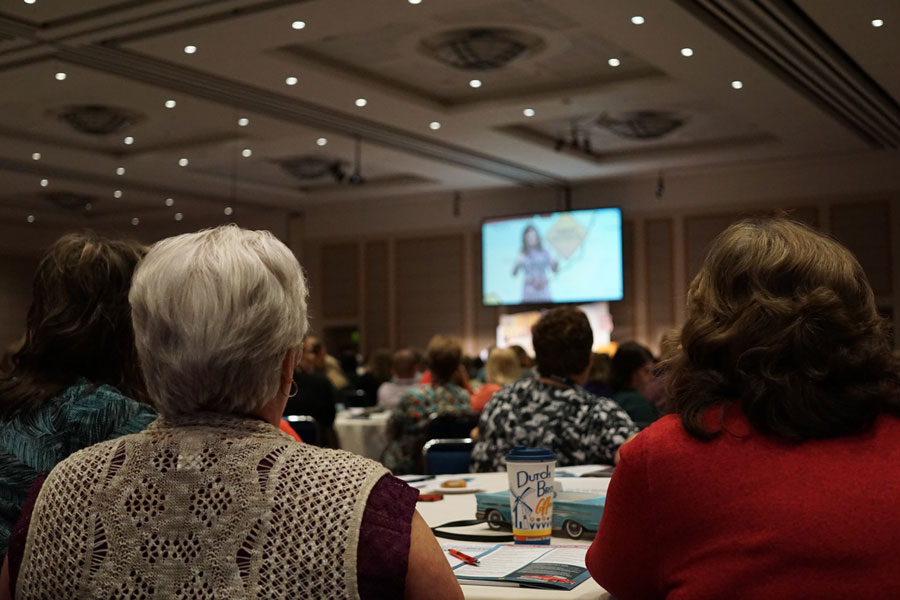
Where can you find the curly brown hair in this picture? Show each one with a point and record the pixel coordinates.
(782, 321)
(443, 355)
(562, 342)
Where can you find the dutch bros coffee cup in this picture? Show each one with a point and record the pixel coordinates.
(530, 472)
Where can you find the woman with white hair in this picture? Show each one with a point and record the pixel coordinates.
(212, 501)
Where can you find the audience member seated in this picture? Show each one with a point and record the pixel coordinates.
(74, 380)
(319, 361)
(314, 394)
(460, 378)
(553, 410)
(525, 361)
(599, 375)
(502, 368)
(212, 500)
(409, 421)
(378, 371)
(776, 477)
(403, 367)
(633, 371)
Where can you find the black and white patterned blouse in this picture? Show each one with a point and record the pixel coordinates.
(580, 427)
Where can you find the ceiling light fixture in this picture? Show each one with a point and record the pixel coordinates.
(30, 218)
(228, 210)
(687, 52)
(614, 62)
(45, 182)
(60, 76)
(298, 25)
(877, 23)
(128, 140)
(190, 49)
(737, 84)
(170, 104)
(178, 216)
(117, 194)
(637, 20)
(528, 112)
(475, 83)
(434, 125)
(360, 102)
(30, 1)
(36, 156)
(246, 152)
(120, 171)
(170, 201)
(88, 207)
(135, 221)
(291, 80)
(183, 162)
(415, 1)
(243, 121)
(321, 141)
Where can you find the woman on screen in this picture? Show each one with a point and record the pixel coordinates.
(535, 261)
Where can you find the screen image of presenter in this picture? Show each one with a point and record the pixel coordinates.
(534, 260)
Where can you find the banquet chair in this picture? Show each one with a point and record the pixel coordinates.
(306, 427)
(447, 456)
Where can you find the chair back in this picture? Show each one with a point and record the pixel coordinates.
(447, 456)
(306, 427)
(450, 426)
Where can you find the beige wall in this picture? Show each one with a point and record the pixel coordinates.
(15, 296)
(426, 274)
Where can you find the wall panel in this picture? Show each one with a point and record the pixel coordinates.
(660, 278)
(623, 312)
(377, 334)
(865, 229)
(340, 280)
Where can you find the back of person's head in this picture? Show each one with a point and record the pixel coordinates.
(630, 357)
(781, 319)
(562, 341)
(380, 364)
(79, 323)
(502, 366)
(404, 364)
(443, 355)
(525, 360)
(601, 366)
(215, 313)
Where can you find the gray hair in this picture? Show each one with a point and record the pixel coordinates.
(214, 314)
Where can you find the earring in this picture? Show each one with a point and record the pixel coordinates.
(294, 389)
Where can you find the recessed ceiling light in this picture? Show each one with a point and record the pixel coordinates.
(528, 112)
(298, 24)
(246, 152)
(614, 62)
(170, 104)
(88, 207)
(60, 76)
(228, 211)
(877, 23)
(360, 102)
(475, 83)
(737, 84)
(178, 216)
(135, 221)
(45, 182)
(291, 80)
(128, 140)
(170, 201)
(190, 49)
(117, 194)
(120, 171)
(183, 162)
(415, 1)
(30, 218)
(687, 52)
(36, 156)
(30, 1)
(321, 141)
(637, 20)
(243, 121)
(434, 125)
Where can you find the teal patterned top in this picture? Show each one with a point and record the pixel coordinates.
(81, 416)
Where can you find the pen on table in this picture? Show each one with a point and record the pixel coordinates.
(469, 560)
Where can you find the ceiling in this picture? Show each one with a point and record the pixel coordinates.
(571, 90)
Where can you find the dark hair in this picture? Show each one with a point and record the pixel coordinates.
(525, 246)
(443, 355)
(628, 360)
(404, 363)
(379, 364)
(562, 342)
(78, 325)
(781, 320)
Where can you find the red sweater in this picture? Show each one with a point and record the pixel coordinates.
(745, 516)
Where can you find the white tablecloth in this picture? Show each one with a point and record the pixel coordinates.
(457, 507)
(364, 436)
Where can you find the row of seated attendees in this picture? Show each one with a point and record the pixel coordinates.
(141, 454)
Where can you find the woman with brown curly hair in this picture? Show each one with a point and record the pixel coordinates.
(776, 476)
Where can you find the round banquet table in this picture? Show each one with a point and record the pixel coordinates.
(363, 435)
(455, 507)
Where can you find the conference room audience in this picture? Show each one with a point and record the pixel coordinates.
(553, 410)
(441, 397)
(405, 378)
(204, 503)
(632, 374)
(74, 379)
(502, 368)
(776, 477)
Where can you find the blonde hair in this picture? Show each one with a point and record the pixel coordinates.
(502, 366)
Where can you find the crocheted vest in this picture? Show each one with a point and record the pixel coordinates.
(205, 507)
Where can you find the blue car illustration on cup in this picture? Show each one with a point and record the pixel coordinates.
(574, 513)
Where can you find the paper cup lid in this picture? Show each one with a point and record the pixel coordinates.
(523, 454)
